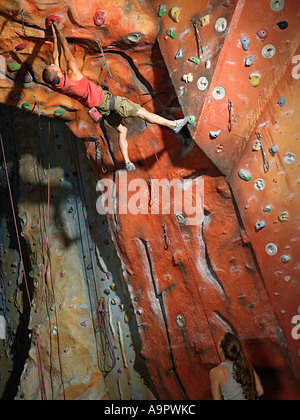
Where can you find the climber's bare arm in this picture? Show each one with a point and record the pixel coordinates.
(55, 47)
(72, 68)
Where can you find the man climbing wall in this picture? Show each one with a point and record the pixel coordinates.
(102, 104)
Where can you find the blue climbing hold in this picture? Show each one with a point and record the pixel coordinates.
(260, 225)
(245, 43)
(282, 101)
(179, 54)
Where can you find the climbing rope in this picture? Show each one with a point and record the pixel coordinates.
(167, 239)
(47, 251)
(45, 254)
(99, 302)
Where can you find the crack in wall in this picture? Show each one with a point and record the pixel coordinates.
(159, 297)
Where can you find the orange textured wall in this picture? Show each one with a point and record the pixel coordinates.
(216, 276)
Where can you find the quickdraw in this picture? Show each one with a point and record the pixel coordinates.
(266, 163)
(232, 116)
(166, 237)
(200, 46)
(102, 52)
(23, 24)
(153, 197)
(99, 155)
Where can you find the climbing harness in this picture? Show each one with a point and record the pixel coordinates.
(266, 163)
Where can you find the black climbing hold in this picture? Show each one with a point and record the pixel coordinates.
(283, 24)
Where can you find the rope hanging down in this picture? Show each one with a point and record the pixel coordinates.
(105, 343)
(173, 210)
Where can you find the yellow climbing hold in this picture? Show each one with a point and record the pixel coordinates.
(175, 12)
(128, 317)
(204, 20)
(255, 79)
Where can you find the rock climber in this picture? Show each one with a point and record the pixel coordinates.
(113, 108)
(234, 378)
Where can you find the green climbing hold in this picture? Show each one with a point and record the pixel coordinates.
(171, 33)
(244, 175)
(16, 95)
(26, 106)
(31, 274)
(195, 60)
(162, 10)
(14, 66)
(59, 112)
(191, 119)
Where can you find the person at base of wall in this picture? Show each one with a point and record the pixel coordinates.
(234, 378)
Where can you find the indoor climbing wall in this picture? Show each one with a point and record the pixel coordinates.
(246, 124)
(77, 321)
(171, 289)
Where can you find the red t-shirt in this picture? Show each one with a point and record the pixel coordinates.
(86, 92)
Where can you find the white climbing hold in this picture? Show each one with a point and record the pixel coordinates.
(221, 24)
(268, 51)
(271, 249)
(277, 5)
(219, 93)
(2, 328)
(202, 83)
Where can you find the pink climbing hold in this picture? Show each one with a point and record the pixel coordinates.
(262, 34)
(52, 18)
(20, 47)
(99, 18)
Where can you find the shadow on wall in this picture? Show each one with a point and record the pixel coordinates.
(80, 231)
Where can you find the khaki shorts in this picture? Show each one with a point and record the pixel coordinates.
(124, 108)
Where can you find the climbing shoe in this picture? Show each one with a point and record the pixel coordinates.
(130, 166)
(179, 125)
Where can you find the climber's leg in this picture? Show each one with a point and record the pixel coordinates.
(123, 144)
(176, 125)
(154, 118)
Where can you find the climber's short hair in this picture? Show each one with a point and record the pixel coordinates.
(50, 76)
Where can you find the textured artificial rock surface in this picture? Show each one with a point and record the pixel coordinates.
(220, 265)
